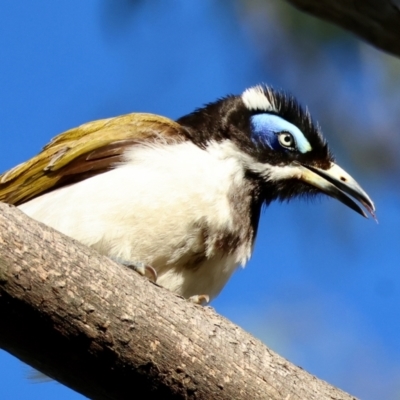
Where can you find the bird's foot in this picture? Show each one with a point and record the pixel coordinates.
(141, 268)
(200, 299)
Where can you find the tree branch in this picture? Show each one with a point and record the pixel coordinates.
(108, 333)
(376, 21)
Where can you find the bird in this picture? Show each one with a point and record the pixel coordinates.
(181, 200)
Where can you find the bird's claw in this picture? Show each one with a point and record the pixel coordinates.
(200, 299)
(143, 269)
(150, 273)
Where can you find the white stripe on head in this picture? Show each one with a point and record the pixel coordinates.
(254, 98)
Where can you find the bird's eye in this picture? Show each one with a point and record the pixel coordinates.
(286, 140)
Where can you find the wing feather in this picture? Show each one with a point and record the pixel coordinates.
(82, 152)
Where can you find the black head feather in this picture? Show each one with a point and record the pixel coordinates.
(230, 118)
(288, 156)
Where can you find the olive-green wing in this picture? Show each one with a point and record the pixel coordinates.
(82, 152)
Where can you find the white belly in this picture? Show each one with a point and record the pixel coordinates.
(165, 206)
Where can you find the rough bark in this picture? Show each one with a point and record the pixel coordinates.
(376, 21)
(108, 333)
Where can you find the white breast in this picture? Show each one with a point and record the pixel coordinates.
(163, 207)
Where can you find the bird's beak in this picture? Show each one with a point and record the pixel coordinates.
(337, 183)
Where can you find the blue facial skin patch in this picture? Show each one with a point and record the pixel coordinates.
(265, 129)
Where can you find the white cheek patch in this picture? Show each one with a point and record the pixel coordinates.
(278, 173)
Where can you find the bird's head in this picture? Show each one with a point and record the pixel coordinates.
(281, 145)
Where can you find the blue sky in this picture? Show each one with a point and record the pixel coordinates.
(323, 287)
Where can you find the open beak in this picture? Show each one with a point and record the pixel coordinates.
(337, 183)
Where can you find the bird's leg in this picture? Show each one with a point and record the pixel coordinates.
(200, 299)
(141, 268)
